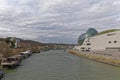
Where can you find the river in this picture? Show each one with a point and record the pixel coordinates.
(59, 65)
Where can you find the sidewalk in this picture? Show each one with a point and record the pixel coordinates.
(108, 57)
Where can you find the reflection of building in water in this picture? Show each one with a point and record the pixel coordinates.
(95, 41)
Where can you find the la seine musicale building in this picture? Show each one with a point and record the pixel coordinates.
(104, 41)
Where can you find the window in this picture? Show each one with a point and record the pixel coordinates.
(89, 48)
(88, 44)
(87, 41)
(109, 41)
(115, 41)
(82, 48)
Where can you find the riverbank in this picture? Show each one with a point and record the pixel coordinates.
(11, 46)
(108, 57)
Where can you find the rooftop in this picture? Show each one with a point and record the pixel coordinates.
(108, 31)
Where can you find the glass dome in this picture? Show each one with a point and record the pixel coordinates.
(81, 38)
(90, 32)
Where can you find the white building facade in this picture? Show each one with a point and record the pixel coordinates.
(109, 41)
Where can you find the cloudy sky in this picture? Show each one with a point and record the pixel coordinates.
(60, 21)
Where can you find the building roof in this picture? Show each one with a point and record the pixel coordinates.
(108, 31)
(89, 33)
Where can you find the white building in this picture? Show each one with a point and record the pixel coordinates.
(108, 41)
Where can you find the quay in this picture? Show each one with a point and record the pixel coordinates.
(108, 57)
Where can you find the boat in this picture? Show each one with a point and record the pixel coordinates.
(26, 54)
(11, 62)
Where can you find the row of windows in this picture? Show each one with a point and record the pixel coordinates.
(111, 41)
(88, 44)
(84, 48)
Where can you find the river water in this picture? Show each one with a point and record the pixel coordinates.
(59, 65)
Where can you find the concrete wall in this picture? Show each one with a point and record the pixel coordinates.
(107, 41)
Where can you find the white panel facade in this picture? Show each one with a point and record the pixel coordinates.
(102, 42)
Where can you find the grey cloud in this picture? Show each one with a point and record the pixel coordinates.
(56, 20)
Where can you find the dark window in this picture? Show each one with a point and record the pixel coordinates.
(89, 48)
(87, 41)
(109, 41)
(82, 48)
(88, 44)
(115, 41)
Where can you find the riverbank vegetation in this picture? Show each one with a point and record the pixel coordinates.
(11, 46)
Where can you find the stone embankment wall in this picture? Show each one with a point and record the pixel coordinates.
(108, 57)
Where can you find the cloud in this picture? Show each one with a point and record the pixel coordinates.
(60, 21)
(4, 29)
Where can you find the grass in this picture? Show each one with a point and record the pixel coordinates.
(108, 31)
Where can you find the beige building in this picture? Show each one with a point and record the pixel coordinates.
(109, 41)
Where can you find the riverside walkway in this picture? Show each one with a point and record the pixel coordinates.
(108, 57)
